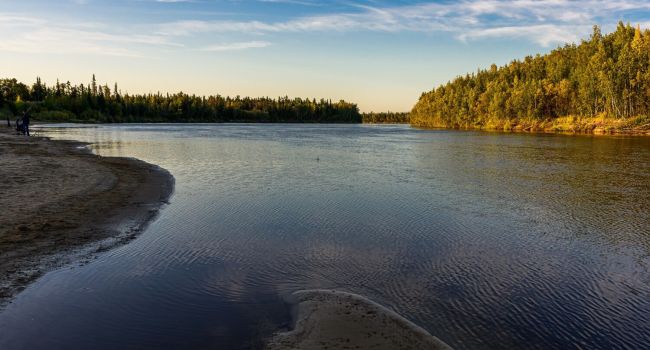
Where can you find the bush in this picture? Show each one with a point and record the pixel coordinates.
(54, 116)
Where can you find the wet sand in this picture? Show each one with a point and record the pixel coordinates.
(60, 203)
(336, 320)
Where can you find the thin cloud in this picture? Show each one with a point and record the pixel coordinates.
(292, 2)
(544, 22)
(544, 35)
(36, 35)
(236, 46)
(174, 1)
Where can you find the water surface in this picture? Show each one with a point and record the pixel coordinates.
(487, 240)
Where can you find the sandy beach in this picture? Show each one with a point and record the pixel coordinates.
(60, 203)
(337, 320)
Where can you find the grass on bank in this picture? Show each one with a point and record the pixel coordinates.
(601, 124)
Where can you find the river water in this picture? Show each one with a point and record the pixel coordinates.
(487, 240)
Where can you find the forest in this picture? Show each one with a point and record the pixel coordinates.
(602, 83)
(94, 103)
(385, 118)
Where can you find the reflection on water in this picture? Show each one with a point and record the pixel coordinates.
(486, 240)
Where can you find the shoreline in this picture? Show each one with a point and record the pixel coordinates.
(543, 132)
(639, 133)
(517, 129)
(61, 203)
(329, 319)
(563, 125)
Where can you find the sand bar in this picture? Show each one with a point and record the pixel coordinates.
(58, 199)
(337, 320)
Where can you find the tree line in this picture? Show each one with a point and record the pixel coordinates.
(386, 118)
(64, 102)
(605, 77)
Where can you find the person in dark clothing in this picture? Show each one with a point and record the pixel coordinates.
(8, 122)
(26, 123)
(19, 125)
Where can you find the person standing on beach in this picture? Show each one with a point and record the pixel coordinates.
(19, 126)
(26, 123)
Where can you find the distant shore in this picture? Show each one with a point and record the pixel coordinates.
(328, 319)
(564, 125)
(60, 203)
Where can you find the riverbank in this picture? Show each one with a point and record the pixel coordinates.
(573, 125)
(338, 320)
(60, 203)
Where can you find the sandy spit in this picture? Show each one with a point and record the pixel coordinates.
(59, 203)
(329, 319)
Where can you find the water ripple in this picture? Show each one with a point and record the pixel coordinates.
(486, 240)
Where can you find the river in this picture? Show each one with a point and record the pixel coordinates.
(486, 240)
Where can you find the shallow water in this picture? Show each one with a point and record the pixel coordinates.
(486, 240)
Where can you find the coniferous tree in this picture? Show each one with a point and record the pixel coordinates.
(605, 77)
(95, 103)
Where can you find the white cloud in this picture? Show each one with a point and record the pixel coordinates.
(293, 2)
(545, 35)
(237, 46)
(36, 35)
(545, 22)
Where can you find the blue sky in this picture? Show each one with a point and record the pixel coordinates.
(380, 54)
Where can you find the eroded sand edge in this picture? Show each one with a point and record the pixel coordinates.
(59, 202)
(329, 319)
